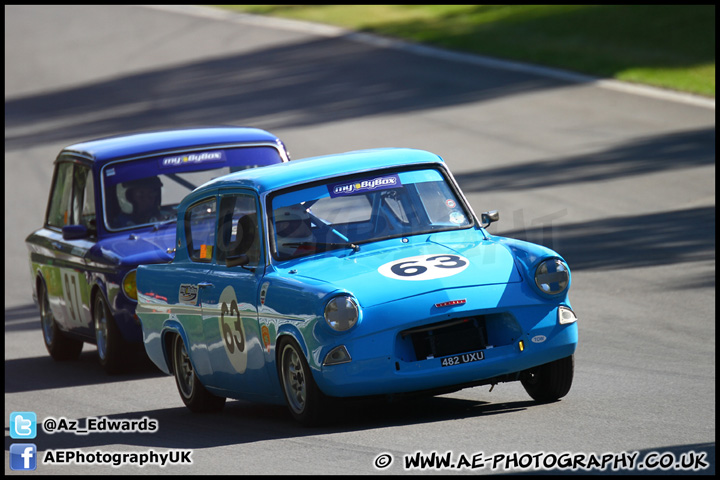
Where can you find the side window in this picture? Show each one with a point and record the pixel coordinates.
(88, 203)
(83, 198)
(60, 209)
(200, 230)
(238, 232)
(72, 200)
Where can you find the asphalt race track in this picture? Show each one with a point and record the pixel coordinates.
(622, 183)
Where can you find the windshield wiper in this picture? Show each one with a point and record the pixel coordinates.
(354, 246)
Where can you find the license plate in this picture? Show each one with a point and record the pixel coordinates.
(462, 358)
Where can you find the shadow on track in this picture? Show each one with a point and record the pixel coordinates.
(320, 81)
(42, 373)
(666, 152)
(665, 238)
(243, 422)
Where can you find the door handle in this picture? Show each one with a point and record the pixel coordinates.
(205, 285)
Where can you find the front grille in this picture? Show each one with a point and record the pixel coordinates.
(447, 338)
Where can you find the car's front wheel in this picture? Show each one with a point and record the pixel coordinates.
(109, 341)
(551, 381)
(59, 346)
(194, 395)
(307, 403)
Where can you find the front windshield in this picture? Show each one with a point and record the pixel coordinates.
(147, 191)
(345, 213)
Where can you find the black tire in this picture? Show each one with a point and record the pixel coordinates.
(307, 404)
(193, 393)
(551, 381)
(59, 346)
(111, 346)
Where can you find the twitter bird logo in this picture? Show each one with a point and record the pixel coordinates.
(23, 425)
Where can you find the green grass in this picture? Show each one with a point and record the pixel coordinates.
(668, 46)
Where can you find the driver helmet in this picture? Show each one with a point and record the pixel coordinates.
(292, 225)
(126, 188)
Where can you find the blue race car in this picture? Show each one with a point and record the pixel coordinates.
(364, 273)
(112, 206)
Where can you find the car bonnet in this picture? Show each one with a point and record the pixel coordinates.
(379, 275)
(138, 247)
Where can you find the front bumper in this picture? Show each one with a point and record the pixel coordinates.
(392, 360)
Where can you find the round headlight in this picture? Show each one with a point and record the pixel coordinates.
(342, 313)
(129, 286)
(552, 276)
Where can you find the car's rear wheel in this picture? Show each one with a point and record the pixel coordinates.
(59, 346)
(307, 403)
(194, 395)
(109, 341)
(551, 381)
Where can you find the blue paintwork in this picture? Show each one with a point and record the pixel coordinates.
(108, 149)
(95, 262)
(288, 297)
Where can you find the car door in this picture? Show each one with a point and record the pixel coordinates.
(229, 300)
(187, 279)
(70, 226)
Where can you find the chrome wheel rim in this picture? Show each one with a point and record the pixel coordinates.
(101, 329)
(46, 319)
(294, 380)
(183, 369)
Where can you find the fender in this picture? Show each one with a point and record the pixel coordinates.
(171, 328)
(36, 285)
(294, 333)
(98, 287)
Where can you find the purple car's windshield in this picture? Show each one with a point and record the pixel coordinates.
(346, 213)
(147, 191)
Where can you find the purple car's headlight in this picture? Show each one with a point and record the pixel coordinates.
(342, 313)
(552, 276)
(129, 285)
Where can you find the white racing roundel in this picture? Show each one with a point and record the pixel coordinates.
(425, 267)
(232, 330)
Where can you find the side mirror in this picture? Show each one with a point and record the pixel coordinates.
(74, 232)
(489, 217)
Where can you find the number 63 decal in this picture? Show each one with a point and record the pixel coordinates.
(232, 330)
(424, 267)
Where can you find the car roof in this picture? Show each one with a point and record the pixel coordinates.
(135, 144)
(317, 168)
